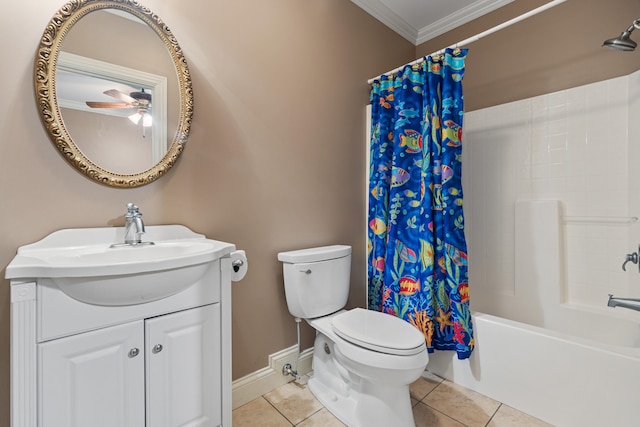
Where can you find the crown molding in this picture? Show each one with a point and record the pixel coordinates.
(458, 18)
(391, 19)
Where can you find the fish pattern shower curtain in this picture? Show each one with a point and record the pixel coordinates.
(417, 254)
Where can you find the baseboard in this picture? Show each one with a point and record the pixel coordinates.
(256, 384)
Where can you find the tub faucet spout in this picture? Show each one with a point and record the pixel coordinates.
(630, 303)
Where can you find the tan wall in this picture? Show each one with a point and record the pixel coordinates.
(276, 156)
(554, 50)
(275, 160)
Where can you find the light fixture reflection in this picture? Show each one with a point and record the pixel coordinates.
(135, 117)
(147, 120)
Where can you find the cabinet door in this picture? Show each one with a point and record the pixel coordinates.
(93, 379)
(183, 368)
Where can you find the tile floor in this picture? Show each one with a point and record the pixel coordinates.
(437, 403)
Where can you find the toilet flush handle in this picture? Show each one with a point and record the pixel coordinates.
(307, 271)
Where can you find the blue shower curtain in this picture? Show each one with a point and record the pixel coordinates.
(417, 254)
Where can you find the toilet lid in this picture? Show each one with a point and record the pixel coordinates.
(378, 331)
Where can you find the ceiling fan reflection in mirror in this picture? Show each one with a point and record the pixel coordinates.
(140, 101)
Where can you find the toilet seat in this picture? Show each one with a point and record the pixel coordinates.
(379, 332)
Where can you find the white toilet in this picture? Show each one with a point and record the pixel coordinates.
(363, 361)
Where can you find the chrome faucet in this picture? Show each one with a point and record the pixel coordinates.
(133, 227)
(631, 303)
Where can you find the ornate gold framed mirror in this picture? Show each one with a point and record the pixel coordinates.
(114, 91)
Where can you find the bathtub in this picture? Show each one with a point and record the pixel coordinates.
(567, 364)
(562, 379)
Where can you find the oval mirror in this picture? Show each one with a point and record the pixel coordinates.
(114, 91)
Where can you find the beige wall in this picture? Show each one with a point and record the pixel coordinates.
(275, 160)
(276, 156)
(554, 50)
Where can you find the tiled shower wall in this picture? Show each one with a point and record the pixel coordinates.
(576, 146)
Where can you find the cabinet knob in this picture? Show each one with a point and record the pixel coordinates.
(134, 352)
(157, 348)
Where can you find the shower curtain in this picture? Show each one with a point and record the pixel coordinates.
(417, 256)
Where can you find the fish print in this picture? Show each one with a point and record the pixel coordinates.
(458, 257)
(453, 133)
(375, 192)
(378, 264)
(402, 122)
(378, 226)
(409, 285)
(409, 113)
(412, 140)
(416, 252)
(399, 176)
(426, 252)
(447, 173)
(406, 254)
(447, 104)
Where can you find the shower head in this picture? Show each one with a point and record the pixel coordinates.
(623, 42)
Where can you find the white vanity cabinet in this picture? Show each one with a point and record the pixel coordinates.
(126, 359)
(183, 368)
(99, 378)
(93, 378)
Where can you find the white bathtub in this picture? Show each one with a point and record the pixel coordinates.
(561, 379)
(567, 364)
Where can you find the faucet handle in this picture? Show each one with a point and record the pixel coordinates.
(632, 257)
(132, 209)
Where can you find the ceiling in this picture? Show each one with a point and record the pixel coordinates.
(422, 20)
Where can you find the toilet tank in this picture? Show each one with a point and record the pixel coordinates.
(316, 280)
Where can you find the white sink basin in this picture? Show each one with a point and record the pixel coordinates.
(82, 263)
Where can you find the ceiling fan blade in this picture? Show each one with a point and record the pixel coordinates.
(108, 105)
(117, 94)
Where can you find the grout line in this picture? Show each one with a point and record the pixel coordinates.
(311, 415)
(494, 414)
(277, 410)
(445, 414)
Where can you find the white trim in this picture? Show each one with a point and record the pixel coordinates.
(262, 381)
(367, 144)
(389, 18)
(104, 70)
(225, 339)
(23, 355)
(458, 18)
(416, 36)
(478, 36)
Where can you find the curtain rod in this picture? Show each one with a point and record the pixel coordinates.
(478, 36)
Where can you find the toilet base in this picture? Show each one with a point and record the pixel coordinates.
(354, 400)
(359, 409)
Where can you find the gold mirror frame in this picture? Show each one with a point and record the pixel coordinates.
(45, 81)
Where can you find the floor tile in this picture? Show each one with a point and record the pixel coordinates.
(424, 385)
(426, 416)
(436, 403)
(294, 401)
(322, 418)
(467, 406)
(509, 417)
(258, 412)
